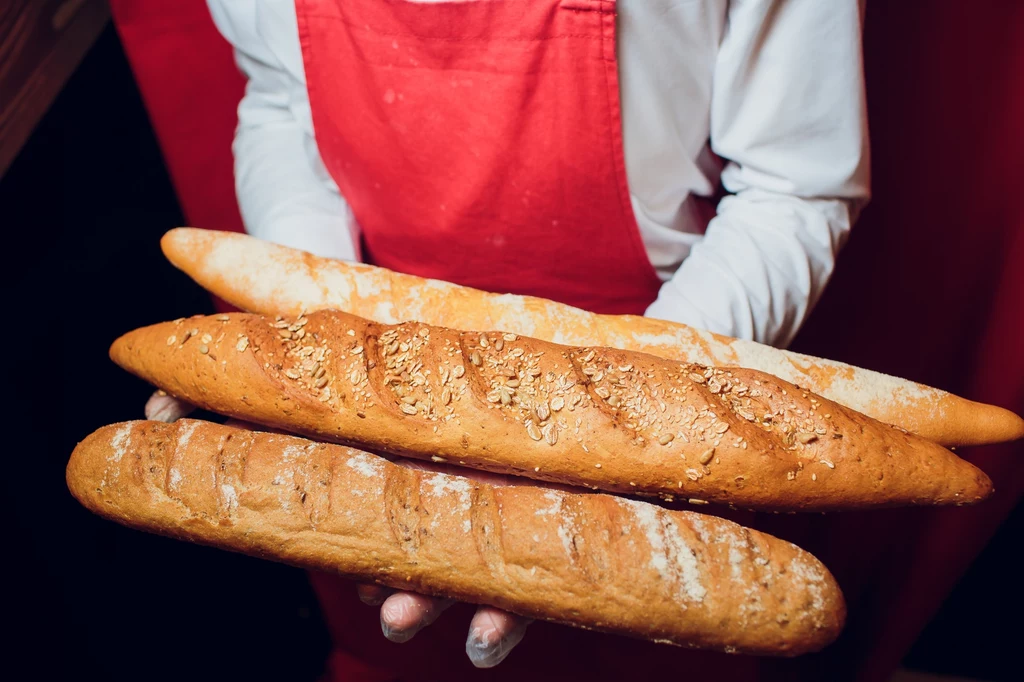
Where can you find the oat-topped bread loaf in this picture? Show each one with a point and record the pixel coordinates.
(266, 278)
(592, 561)
(614, 420)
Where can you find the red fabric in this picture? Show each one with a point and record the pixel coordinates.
(481, 143)
(926, 289)
(191, 89)
(930, 288)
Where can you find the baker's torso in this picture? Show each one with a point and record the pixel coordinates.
(667, 51)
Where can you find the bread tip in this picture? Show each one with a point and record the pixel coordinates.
(87, 463)
(979, 423)
(984, 487)
(130, 350)
(1016, 427)
(119, 348)
(176, 235)
(976, 487)
(176, 242)
(998, 425)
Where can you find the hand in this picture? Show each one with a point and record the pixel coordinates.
(493, 633)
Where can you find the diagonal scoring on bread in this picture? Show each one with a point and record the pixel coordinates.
(266, 278)
(607, 419)
(591, 561)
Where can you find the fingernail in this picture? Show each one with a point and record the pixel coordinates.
(486, 649)
(395, 635)
(397, 611)
(482, 651)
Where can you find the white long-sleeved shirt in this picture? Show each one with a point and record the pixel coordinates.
(773, 87)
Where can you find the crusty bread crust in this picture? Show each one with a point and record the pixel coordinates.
(607, 419)
(591, 561)
(261, 277)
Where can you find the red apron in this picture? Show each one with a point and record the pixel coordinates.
(481, 143)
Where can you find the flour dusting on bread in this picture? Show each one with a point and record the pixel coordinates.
(264, 277)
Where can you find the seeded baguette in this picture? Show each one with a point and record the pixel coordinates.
(591, 561)
(261, 277)
(606, 419)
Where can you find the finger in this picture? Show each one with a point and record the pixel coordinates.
(373, 595)
(493, 634)
(164, 408)
(403, 614)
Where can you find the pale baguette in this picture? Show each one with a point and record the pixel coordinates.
(591, 561)
(261, 277)
(607, 419)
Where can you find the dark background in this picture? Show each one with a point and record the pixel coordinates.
(83, 208)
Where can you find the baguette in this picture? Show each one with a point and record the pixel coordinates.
(606, 419)
(590, 561)
(261, 277)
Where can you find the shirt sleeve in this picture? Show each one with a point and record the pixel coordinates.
(788, 115)
(284, 193)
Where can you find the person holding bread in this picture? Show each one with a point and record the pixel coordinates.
(700, 162)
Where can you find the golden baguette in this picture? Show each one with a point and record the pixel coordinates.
(607, 419)
(591, 561)
(261, 277)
